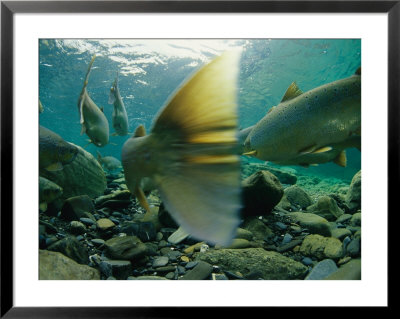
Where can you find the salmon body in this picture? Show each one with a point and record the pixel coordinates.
(54, 152)
(119, 115)
(305, 125)
(110, 163)
(94, 122)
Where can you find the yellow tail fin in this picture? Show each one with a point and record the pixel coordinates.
(200, 185)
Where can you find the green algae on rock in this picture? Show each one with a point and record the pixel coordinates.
(269, 265)
(326, 207)
(314, 223)
(322, 247)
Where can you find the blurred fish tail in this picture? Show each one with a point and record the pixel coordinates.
(191, 153)
(200, 183)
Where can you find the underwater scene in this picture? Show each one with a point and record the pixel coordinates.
(199, 159)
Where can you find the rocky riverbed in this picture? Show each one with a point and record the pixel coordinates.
(294, 227)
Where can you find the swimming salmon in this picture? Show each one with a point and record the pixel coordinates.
(94, 122)
(110, 163)
(312, 127)
(119, 116)
(54, 152)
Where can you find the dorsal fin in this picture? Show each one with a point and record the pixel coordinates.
(292, 92)
(140, 131)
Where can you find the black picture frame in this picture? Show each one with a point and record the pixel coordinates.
(9, 8)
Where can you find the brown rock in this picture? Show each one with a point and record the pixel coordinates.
(104, 224)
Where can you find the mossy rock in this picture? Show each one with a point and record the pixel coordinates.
(267, 265)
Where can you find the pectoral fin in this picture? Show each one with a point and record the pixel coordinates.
(138, 192)
(307, 150)
(81, 102)
(312, 150)
(86, 145)
(55, 167)
(83, 129)
(322, 150)
(111, 98)
(251, 153)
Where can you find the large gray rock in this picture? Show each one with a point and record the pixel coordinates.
(326, 207)
(314, 223)
(298, 197)
(83, 176)
(261, 192)
(322, 247)
(268, 265)
(200, 272)
(353, 196)
(322, 270)
(56, 266)
(349, 271)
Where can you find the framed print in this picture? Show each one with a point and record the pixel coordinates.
(196, 154)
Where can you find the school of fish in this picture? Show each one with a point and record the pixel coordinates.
(192, 152)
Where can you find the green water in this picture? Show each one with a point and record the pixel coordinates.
(151, 70)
